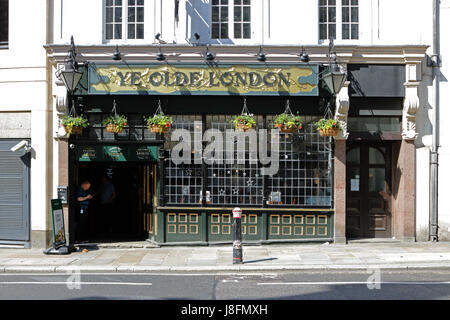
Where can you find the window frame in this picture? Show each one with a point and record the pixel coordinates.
(231, 22)
(124, 24)
(339, 22)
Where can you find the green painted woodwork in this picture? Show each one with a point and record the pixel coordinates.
(217, 226)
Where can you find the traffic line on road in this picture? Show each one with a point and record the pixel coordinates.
(80, 283)
(354, 282)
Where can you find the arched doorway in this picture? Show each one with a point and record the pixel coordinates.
(368, 196)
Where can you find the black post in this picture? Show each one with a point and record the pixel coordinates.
(237, 236)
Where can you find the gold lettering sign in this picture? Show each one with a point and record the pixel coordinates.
(200, 79)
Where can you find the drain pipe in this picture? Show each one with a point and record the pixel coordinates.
(434, 151)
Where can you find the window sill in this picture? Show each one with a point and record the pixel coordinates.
(4, 46)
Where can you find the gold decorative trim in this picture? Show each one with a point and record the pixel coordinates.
(250, 228)
(193, 227)
(298, 216)
(215, 226)
(310, 216)
(174, 215)
(185, 217)
(182, 226)
(277, 216)
(193, 215)
(226, 227)
(286, 216)
(277, 233)
(174, 226)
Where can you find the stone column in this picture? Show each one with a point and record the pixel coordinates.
(404, 163)
(403, 197)
(61, 108)
(340, 149)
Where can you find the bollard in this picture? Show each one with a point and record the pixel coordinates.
(237, 236)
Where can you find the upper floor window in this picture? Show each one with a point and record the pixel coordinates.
(239, 22)
(330, 17)
(350, 18)
(327, 19)
(124, 19)
(4, 23)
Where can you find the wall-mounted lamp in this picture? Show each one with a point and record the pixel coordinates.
(116, 55)
(70, 75)
(209, 56)
(304, 57)
(261, 57)
(160, 56)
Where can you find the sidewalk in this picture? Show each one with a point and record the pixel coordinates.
(317, 257)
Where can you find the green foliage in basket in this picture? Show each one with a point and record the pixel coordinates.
(160, 120)
(289, 121)
(244, 119)
(119, 121)
(324, 124)
(71, 121)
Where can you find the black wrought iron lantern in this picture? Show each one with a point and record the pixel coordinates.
(335, 76)
(70, 75)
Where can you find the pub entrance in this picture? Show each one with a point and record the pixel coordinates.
(129, 216)
(368, 196)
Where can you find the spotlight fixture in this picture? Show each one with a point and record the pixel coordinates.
(197, 38)
(116, 55)
(160, 56)
(157, 36)
(209, 56)
(304, 57)
(261, 57)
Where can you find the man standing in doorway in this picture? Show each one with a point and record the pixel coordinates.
(83, 199)
(107, 195)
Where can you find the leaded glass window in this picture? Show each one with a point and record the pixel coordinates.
(242, 19)
(350, 19)
(327, 19)
(124, 19)
(219, 19)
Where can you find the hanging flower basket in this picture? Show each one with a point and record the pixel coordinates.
(74, 124)
(244, 121)
(159, 129)
(159, 123)
(288, 123)
(115, 123)
(329, 132)
(243, 127)
(328, 127)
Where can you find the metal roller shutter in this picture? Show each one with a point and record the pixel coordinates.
(14, 193)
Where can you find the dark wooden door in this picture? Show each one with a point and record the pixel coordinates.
(368, 190)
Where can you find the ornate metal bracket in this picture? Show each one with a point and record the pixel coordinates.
(342, 107)
(411, 105)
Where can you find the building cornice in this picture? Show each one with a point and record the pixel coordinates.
(391, 54)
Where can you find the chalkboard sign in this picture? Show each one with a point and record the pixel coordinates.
(59, 232)
(62, 194)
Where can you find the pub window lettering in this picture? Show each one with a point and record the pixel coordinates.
(4, 23)
(330, 18)
(124, 19)
(239, 20)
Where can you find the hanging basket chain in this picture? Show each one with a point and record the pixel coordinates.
(159, 109)
(328, 113)
(73, 112)
(245, 110)
(114, 109)
(288, 108)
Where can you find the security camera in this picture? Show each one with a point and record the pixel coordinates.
(21, 145)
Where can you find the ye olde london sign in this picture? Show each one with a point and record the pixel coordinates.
(204, 79)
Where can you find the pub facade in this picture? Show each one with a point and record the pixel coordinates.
(359, 184)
